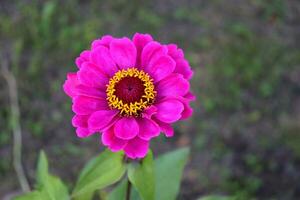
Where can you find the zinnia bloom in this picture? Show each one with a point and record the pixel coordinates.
(129, 91)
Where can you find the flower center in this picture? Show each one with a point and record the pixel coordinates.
(130, 91)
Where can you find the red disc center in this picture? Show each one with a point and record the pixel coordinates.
(130, 89)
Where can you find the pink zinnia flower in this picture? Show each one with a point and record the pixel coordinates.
(130, 91)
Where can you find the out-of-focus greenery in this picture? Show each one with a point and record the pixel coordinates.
(245, 130)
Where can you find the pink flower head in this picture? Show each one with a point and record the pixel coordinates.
(130, 91)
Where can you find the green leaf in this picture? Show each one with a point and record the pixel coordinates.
(142, 177)
(168, 172)
(42, 169)
(35, 195)
(85, 196)
(48, 187)
(54, 189)
(119, 192)
(102, 171)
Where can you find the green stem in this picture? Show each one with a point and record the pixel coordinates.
(128, 191)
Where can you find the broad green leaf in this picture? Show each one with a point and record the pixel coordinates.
(168, 172)
(119, 192)
(35, 195)
(85, 196)
(54, 189)
(102, 171)
(142, 177)
(134, 194)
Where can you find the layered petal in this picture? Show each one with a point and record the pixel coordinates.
(167, 129)
(182, 66)
(148, 128)
(140, 41)
(173, 85)
(83, 132)
(80, 121)
(169, 111)
(91, 76)
(109, 139)
(83, 90)
(104, 41)
(148, 112)
(174, 51)
(123, 52)
(152, 50)
(190, 96)
(84, 57)
(70, 84)
(160, 68)
(83, 105)
(187, 111)
(126, 128)
(100, 120)
(72, 87)
(136, 148)
(101, 57)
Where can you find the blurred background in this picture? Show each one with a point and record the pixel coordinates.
(245, 131)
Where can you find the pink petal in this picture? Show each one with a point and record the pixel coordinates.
(104, 41)
(160, 68)
(70, 84)
(136, 148)
(101, 119)
(188, 111)
(72, 88)
(175, 52)
(173, 85)
(83, 105)
(123, 52)
(109, 139)
(148, 112)
(89, 75)
(140, 40)
(183, 67)
(169, 111)
(80, 120)
(190, 96)
(152, 50)
(87, 91)
(166, 129)
(126, 128)
(84, 57)
(83, 132)
(102, 58)
(148, 129)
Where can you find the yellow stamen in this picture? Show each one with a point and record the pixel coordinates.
(132, 108)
